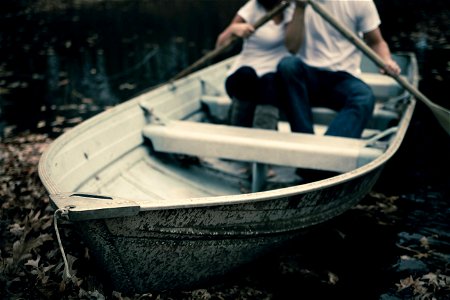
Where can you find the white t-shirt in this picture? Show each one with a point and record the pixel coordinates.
(325, 47)
(264, 49)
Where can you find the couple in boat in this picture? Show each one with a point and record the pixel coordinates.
(297, 60)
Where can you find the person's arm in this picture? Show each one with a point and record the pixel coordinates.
(238, 27)
(295, 30)
(375, 40)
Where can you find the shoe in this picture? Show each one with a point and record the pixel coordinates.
(241, 113)
(266, 117)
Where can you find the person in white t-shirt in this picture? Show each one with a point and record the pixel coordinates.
(324, 72)
(251, 82)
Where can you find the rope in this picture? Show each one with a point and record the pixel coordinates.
(63, 212)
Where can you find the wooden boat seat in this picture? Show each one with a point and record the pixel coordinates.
(262, 146)
(384, 87)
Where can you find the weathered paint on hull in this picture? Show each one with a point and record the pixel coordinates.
(167, 249)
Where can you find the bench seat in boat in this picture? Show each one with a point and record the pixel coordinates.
(262, 146)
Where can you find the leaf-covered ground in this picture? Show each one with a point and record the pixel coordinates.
(399, 249)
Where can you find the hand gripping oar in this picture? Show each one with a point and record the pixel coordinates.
(214, 53)
(441, 114)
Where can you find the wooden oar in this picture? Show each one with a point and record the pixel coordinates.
(441, 114)
(227, 46)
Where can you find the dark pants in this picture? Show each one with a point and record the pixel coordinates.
(247, 90)
(246, 85)
(305, 86)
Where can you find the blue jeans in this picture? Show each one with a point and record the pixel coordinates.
(305, 86)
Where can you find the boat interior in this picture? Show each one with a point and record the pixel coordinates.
(271, 159)
(173, 142)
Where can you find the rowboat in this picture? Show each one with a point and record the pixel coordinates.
(167, 195)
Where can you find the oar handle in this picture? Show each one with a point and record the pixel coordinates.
(212, 54)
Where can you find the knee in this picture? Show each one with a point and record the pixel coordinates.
(286, 65)
(243, 78)
(245, 73)
(291, 65)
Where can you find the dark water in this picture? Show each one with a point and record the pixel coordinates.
(61, 62)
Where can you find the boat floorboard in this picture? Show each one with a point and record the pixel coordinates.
(151, 179)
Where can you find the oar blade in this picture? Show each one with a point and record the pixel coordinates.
(442, 115)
